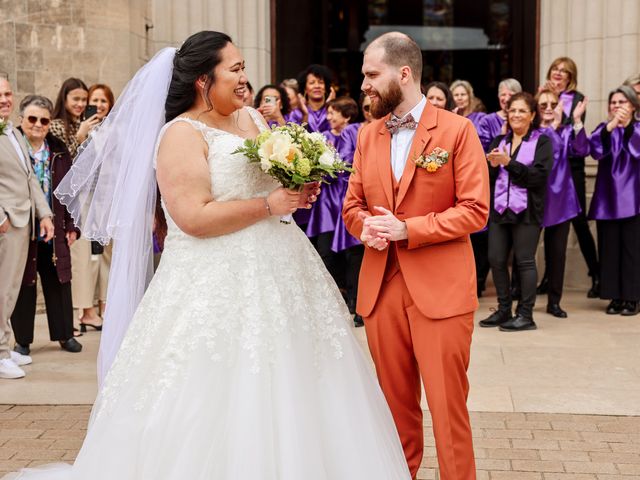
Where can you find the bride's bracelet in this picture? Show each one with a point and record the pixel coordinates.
(266, 204)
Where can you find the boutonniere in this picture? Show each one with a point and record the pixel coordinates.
(3, 126)
(434, 160)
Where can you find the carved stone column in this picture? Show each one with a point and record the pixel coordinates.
(246, 21)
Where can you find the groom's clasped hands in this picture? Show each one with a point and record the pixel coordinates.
(379, 230)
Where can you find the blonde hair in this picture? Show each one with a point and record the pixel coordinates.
(571, 68)
(473, 101)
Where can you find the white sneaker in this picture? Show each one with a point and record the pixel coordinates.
(20, 359)
(8, 369)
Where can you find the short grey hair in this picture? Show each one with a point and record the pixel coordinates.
(36, 101)
(510, 84)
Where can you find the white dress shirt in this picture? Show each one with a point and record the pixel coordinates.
(16, 145)
(401, 141)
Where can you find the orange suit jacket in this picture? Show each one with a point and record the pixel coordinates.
(440, 209)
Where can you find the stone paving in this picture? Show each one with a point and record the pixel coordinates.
(509, 446)
(559, 403)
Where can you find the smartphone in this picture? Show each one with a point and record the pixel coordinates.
(90, 111)
(269, 100)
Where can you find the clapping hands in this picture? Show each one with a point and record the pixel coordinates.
(379, 230)
(497, 157)
(620, 118)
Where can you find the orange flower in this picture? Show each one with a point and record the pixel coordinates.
(432, 167)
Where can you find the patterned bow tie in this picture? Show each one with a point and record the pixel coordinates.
(396, 124)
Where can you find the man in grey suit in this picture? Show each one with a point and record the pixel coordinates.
(22, 202)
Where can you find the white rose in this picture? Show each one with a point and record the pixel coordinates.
(277, 148)
(327, 159)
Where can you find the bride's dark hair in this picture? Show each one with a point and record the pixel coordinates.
(199, 55)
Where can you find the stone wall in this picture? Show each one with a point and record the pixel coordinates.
(43, 42)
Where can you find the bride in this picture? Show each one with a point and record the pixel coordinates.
(239, 362)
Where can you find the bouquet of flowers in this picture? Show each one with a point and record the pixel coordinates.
(3, 125)
(293, 156)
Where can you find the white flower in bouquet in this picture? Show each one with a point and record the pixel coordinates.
(278, 147)
(328, 158)
(294, 156)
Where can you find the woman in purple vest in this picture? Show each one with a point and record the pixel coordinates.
(491, 125)
(615, 205)
(561, 202)
(520, 162)
(340, 252)
(315, 85)
(467, 104)
(562, 78)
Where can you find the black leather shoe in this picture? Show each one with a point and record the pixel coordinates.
(22, 349)
(71, 345)
(630, 308)
(358, 321)
(518, 324)
(496, 319)
(594, 291)
(555, 310)
(615, 307)
(543, 287)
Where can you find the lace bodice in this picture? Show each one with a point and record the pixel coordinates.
(232, 176)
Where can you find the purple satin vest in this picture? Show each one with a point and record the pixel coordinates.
(506, 194)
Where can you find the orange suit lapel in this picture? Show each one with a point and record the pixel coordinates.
(383, 159)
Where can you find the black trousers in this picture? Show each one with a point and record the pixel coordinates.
(555, 256)
(523, 239)
(580, 223)
(619, 242)
(57, 299)
(480, 244)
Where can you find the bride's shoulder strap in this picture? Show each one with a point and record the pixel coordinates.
(194, 123)
(257, 118)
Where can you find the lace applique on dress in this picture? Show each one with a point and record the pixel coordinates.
(245, 296)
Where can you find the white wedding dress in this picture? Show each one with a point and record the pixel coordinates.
(239, 363)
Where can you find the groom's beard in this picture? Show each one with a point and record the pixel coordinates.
(387, 102)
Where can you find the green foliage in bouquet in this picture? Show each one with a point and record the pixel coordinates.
(293, 156)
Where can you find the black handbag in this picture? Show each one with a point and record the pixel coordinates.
(96, 248)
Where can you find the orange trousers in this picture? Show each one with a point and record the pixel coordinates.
(405, 346)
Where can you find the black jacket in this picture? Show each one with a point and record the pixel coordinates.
(533, 178)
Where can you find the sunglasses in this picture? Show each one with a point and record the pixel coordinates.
(549, 105)
(32, 119)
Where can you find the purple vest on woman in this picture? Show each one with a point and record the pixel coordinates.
(489, 127)
(506, 195)
(561, 201)
(617, 191)
(318, 120)
(326, 214)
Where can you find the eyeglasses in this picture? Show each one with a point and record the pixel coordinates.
(560, 70)
(551, 105)
(44, 121)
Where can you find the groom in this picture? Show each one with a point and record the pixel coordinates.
(419, 188)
